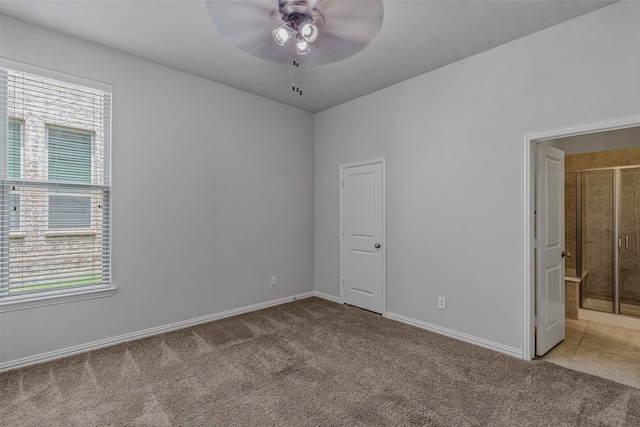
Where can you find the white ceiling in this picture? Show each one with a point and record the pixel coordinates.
(417, 36)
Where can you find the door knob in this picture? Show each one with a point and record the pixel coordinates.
(377, 246)
(566, 254)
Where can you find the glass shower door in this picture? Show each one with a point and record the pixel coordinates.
(571, 223)
(629, 289)
(597, 240)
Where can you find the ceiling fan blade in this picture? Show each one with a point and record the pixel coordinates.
(352, 20)
(349, 26)
(332, 48)
(244, 22)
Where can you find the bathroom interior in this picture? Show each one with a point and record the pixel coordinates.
(602, 224)
(602, 273)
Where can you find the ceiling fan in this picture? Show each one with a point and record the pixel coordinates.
(324, 31)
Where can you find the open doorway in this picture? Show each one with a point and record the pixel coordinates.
(530, 143)
(602, 219)
(602, 163)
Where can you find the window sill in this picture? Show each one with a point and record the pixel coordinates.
(82, 232)
(22, 302)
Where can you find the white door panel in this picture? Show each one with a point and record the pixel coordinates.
(550, 248)
(362, 186)
(363, 270)
(361, 237)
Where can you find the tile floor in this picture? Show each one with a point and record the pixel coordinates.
(602, 350)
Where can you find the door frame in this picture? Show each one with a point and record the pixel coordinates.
(528, 220)
(342, 167)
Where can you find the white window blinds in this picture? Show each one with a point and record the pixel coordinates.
(56, 189)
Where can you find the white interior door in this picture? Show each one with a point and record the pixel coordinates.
(549, 248)
(362, 246)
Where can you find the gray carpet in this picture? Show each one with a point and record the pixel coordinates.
(308, 363)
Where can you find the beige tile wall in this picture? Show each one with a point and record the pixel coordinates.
(571, 299)
(602, 159)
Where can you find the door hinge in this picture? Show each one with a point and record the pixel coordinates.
(535, 243)
(343, 232)
(342, 282)
(535, 320)
(537, 167)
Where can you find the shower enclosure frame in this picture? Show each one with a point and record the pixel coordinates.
(616, 238)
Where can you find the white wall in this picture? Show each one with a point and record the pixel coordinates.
(453, 143)
(210, 198)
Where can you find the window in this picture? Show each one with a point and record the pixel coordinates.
(14, 146)
(69, 211)
(55, 185)
(69, 155)
(69, 159)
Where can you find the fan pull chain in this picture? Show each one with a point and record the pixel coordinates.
(299, 80)
(296, 85)
(293, 76)
(297, 71)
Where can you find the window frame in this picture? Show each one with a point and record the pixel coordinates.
(60, 295)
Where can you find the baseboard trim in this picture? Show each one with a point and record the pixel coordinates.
(70, 351)
(327, 297)
(501, 348)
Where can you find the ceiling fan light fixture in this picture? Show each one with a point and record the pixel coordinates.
(308, 31)
(282, 34)
(302, 46)
(343, 27)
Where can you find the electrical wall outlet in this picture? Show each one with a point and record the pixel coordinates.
(273, 281)
(442, 303)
